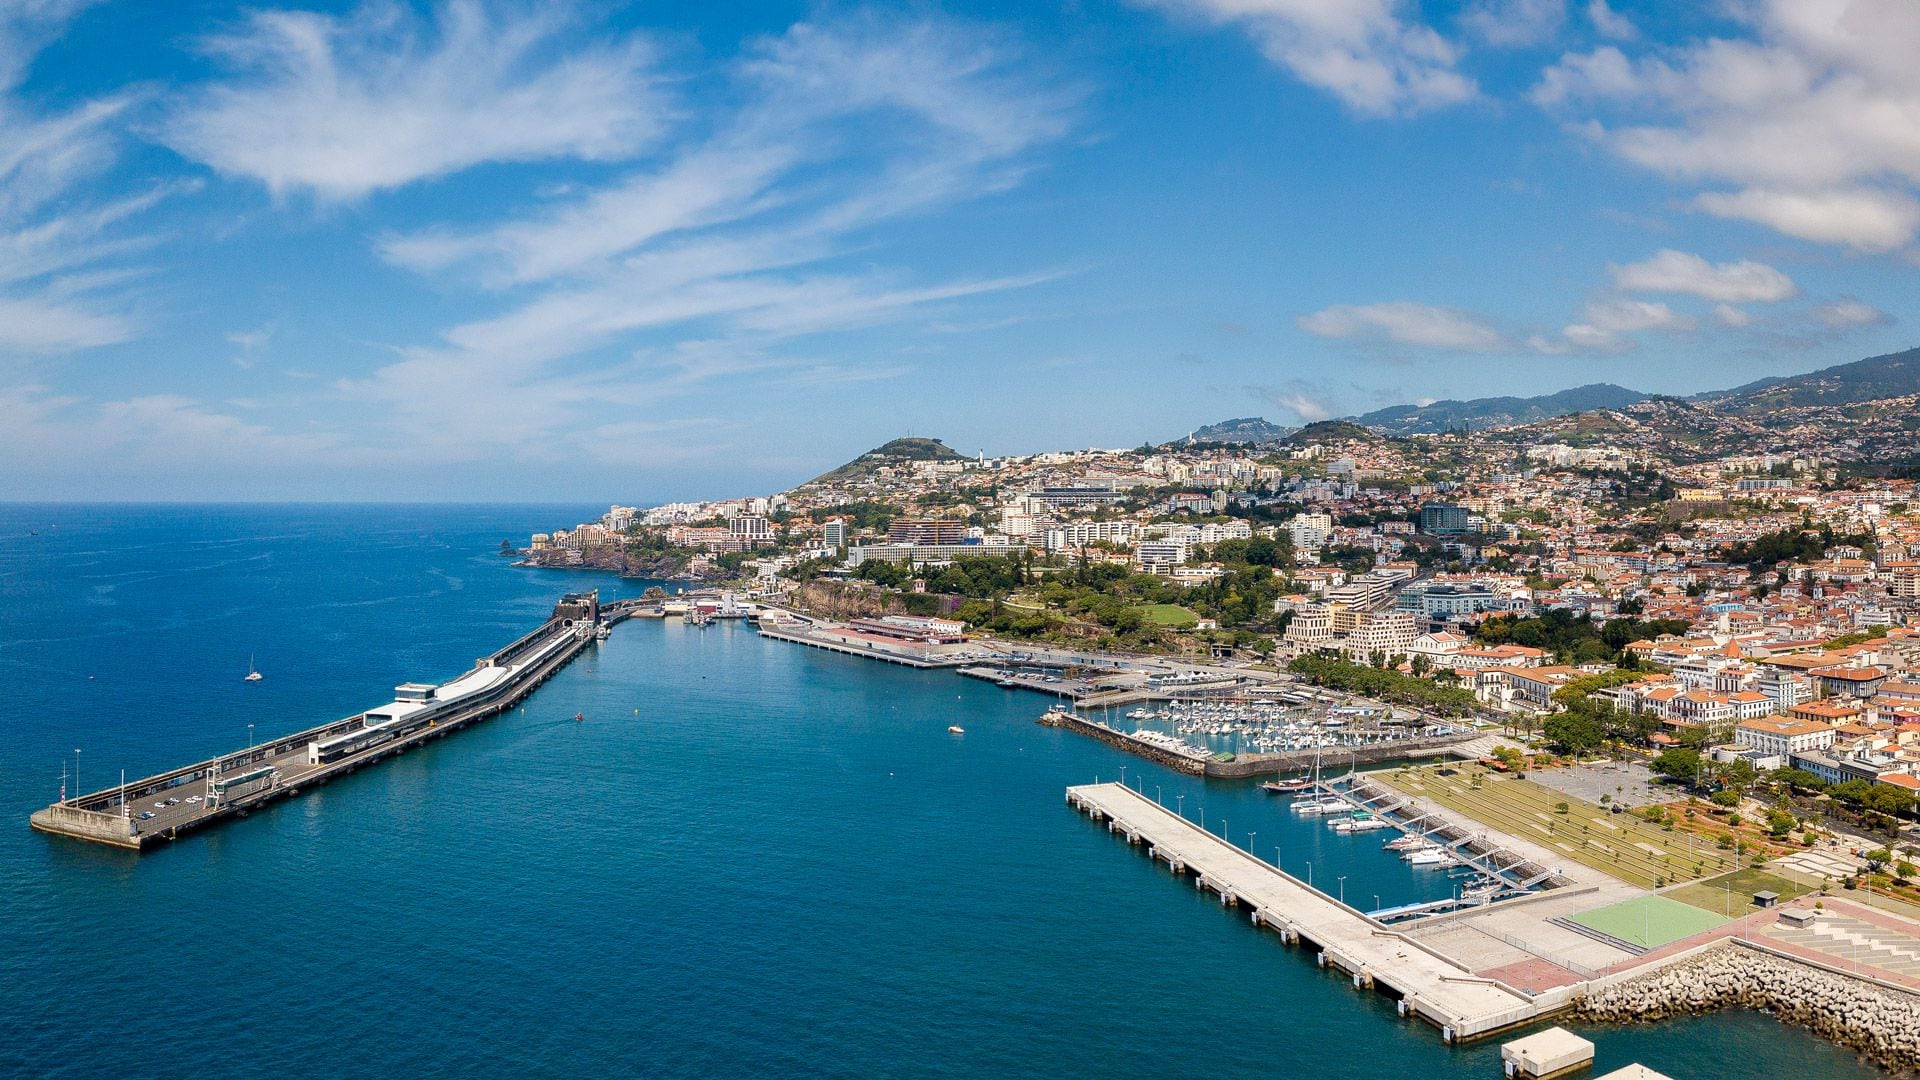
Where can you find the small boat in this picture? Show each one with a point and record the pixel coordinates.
(956, 729)
(1321, 806)
(1286, 787)
(1433, 857)
(253, 673)
(579, 716)
(1408, 843)
(1357, 824)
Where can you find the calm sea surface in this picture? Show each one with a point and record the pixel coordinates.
(750, 859)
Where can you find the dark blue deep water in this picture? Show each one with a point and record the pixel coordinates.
(752, 859)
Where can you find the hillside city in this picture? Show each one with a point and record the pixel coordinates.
(1599, 578)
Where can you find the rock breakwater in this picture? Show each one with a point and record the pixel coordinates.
(1883, 1024)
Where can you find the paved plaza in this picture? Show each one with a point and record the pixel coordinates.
(1628, 783)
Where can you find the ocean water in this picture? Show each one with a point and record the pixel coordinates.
(750, 858)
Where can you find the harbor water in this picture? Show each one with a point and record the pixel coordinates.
(746, 858)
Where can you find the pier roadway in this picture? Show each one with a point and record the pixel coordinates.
(1463, 1005)
(179, 799)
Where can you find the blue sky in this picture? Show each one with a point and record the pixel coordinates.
(647, 251)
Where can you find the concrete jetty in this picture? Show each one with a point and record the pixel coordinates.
(1431, 986)
(142, 813)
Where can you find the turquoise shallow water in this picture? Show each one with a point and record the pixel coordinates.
(750, 859)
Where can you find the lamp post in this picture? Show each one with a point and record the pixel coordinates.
(77, 789)
(1156, 795)
(1180, 802)
(1309, 873)
(1250, 835)
(1343, 888)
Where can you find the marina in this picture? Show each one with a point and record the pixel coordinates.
(1429, 985)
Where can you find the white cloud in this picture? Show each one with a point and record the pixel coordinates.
(1404, 323)
(1514, 23)
(1605, 324)
(26, 27)
(1371, 54)
(55, 244)
(1848, 314)
(946, 112)
(1580, 337)
(1610, 23)
(1865, 218)
(45, 434)
(1670, 271)
(1810, 121)
(344, 106)
(703, 265)
(1625, 315)
(1305, 401)
(41, 325)
(1728, 315)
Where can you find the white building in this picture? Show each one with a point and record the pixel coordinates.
(1310, 531)
(1783, 736)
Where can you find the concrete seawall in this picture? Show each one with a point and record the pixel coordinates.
(91, 825)
(1248, 765)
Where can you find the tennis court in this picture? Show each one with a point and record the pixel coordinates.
(1648, 922)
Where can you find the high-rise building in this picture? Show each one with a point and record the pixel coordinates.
(926, 531)
(836, 532)
(1442, 519)
(751, 529)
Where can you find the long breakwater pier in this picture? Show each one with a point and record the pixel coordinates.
(1431, 986)
(142, 813)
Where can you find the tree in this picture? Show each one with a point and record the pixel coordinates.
(1577, 732)
(1678, 763)
(1799, 779)
(1779, 824)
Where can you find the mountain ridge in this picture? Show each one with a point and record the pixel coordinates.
(1874, 378)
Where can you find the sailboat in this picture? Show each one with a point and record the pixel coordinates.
(253, 673)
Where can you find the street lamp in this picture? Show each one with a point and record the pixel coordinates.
(1156, 795)
(1250, 835)
(1343, 888)
(1309, 873)
(77, 789)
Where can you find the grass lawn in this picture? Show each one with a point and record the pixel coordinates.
(1711, 894)
(1620, 845)
(1648, 921)
(1169, 615)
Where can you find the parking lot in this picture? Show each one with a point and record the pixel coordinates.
(1628, 783)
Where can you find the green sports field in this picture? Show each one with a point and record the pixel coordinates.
(1169, 615)
(1648, 921)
